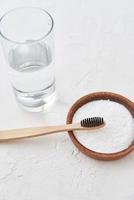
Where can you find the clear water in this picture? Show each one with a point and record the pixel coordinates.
(31, 73)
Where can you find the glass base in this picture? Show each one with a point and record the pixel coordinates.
(36, 101)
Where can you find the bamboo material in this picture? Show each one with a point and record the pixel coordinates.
(15, 134)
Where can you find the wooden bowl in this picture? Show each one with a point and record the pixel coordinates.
(100, 96)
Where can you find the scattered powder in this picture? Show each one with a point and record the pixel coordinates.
(115, 136)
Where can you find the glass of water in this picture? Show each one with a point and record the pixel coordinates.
(28, 44)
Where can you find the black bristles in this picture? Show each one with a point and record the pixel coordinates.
(92, 122)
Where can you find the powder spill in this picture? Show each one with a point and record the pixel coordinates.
(115, 136)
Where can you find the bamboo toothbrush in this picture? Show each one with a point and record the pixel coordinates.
(85, 124)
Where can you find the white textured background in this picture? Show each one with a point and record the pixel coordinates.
(94, 51)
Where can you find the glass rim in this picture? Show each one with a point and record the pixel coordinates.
(29, 7)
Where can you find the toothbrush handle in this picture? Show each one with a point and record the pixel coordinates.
(36, 131)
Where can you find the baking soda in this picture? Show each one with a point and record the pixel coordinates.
(118, 133)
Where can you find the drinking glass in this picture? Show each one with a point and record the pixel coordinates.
(28, 44)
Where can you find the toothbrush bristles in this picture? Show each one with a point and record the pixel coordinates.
(92, 122)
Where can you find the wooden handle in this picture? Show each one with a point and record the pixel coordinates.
(39, 131)
(36, 131)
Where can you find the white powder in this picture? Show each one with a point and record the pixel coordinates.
(115, 136)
